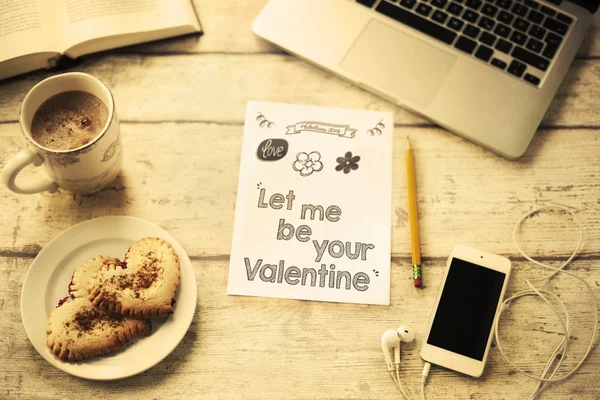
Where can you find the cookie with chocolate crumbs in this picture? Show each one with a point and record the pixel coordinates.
(77, 331)
(142, 286)
(83, 273)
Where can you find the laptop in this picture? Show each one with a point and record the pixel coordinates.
(486, 70)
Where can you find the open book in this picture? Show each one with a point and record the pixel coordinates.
(34, 33)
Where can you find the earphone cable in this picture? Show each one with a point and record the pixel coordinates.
(424, 376)
(400, 383)
(396, 380)
(563, 345)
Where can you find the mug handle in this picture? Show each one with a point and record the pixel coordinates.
(16, 164)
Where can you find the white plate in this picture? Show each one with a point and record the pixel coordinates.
(49, 276)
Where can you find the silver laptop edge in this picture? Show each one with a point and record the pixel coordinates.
(455, 90)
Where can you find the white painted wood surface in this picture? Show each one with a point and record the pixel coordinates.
(181, 102)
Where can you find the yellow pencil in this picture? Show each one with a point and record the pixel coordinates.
(413, 214)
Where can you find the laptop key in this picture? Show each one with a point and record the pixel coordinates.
(498, 63)
(537, 32)
(466, 45)
(470, 16)
(564, 18)
(552, 42)
(530, 58)
(521, 25)
(532, 4)
(439, 16)
(503, 46)
(550, 50)
(534, 45)
(502, 30)
(532, 79)
(504, 4)
(474, 4)
(517, 68)
(416, 22)
(484, 53)
(367, 3)
(518, 37)
(489, 10)
(486, 23)
(454, 9)
(455, 24)
(520, 9)
(552, 38)
(548, 11)
(505, 17)
(408, 3)
(423, 9)
(472, 31)
(487, 38)
(554, 25)
(535, 17)
(439, 3)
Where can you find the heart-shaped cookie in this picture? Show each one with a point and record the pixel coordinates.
(77, 331)
(141, 286)
(83, 273)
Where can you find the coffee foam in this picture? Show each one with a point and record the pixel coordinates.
(69, 120)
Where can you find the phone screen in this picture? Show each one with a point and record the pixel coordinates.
(466, 309)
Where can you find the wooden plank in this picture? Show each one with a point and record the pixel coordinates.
(248, 347)
(209, 88)
(227, 28)
(466, 194)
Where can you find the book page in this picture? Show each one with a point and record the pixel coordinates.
(314, 205)
(85, 20)
(25, 28)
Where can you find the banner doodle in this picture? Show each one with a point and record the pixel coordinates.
(321, 127)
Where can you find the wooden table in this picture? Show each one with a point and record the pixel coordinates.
(181, 103)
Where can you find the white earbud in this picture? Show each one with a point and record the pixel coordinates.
(391, 340)
(406, 334)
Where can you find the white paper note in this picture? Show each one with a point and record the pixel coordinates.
(313, 212)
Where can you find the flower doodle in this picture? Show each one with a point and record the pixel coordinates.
(306, 164)
(347, 162)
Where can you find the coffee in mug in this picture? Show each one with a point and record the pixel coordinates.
(68, 120)
(71, 130)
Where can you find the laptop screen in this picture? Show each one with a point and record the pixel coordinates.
(591, 5)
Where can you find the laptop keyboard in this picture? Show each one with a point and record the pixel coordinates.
(520, 37)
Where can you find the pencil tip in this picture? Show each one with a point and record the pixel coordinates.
(407, 143)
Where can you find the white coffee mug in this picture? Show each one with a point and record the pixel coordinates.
(85, 169)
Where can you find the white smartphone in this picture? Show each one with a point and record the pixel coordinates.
(460, 327)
